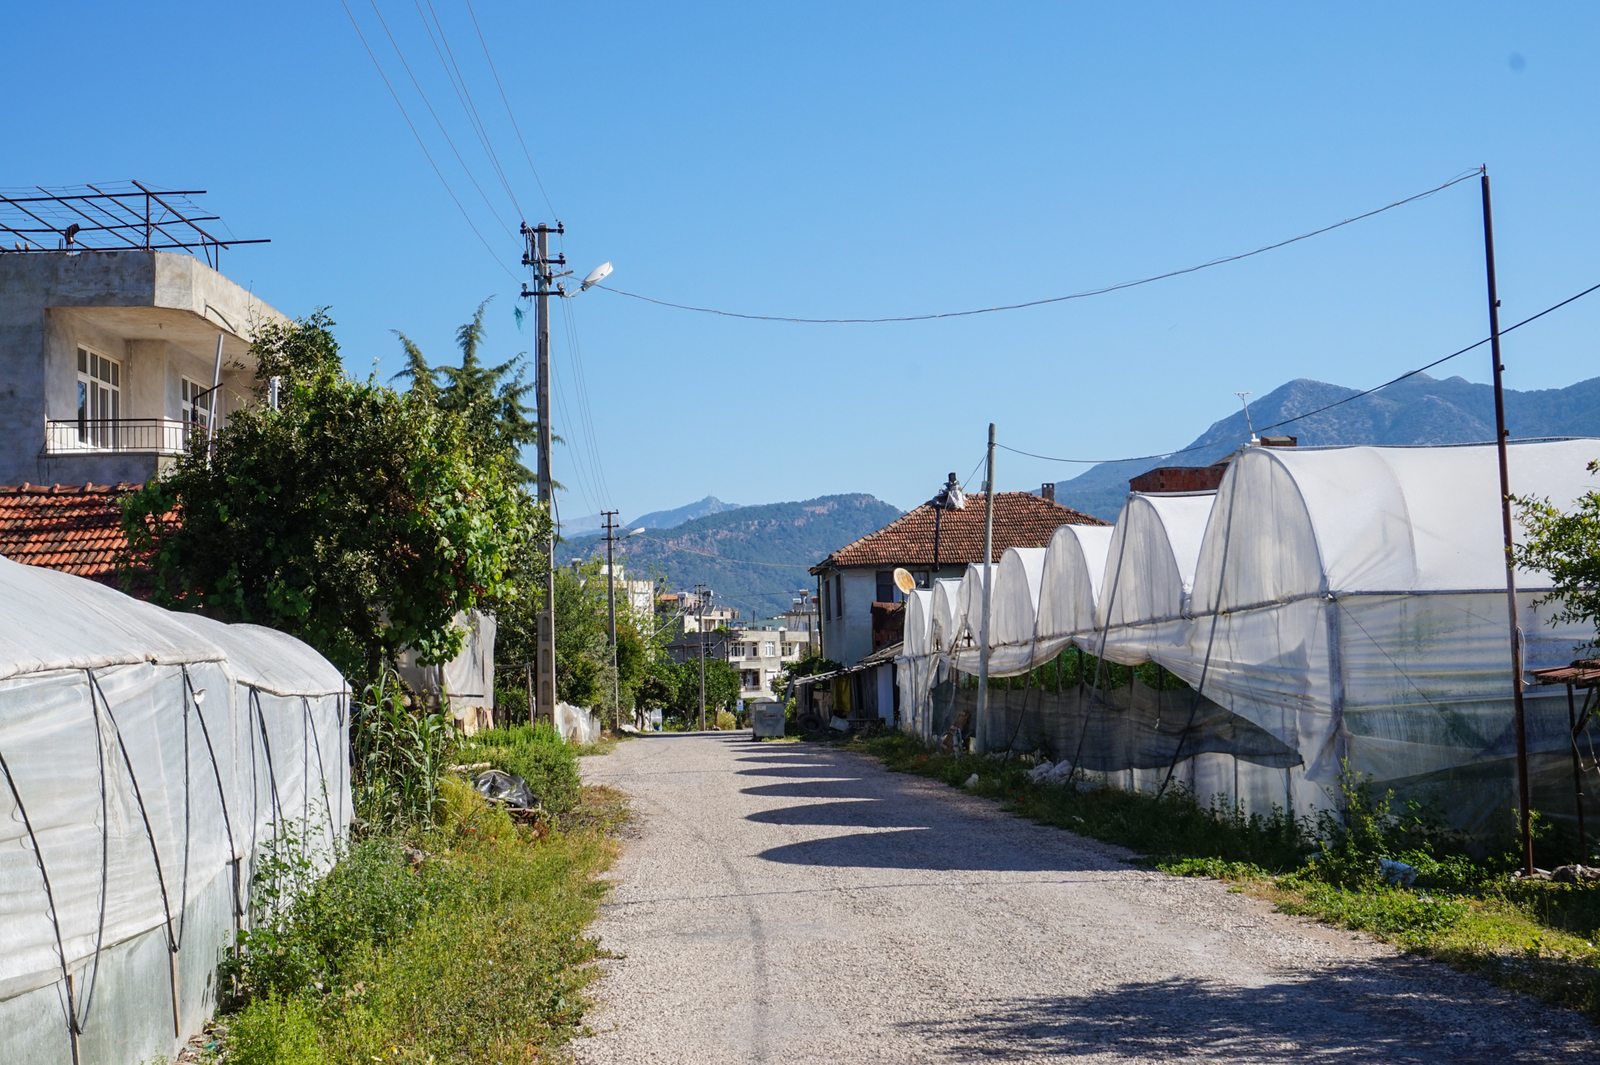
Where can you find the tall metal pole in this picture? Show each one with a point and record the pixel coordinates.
(611, 609)
(988, 583)
(538, 257)
(1519, 717)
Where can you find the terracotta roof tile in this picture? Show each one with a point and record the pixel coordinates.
(1021, 519)
(73, 529)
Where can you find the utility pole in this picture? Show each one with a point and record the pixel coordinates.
(700, 592)
(611, 608)
(1519, 716)
(536, 254)
(988, 584)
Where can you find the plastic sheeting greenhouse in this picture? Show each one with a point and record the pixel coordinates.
(147, 758)
(1325, 607)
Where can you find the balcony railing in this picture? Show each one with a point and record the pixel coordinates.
(150, 436)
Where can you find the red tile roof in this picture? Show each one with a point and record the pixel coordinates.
(75, 530)
(1021, 519)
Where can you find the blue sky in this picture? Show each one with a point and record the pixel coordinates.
(848, 160)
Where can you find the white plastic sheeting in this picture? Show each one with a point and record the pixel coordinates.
(147, 755)
(1074, 566)
(1346, 603)
(1150, 566)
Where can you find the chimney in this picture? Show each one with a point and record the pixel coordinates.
(1048, 490)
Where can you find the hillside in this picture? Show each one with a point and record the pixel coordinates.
(754, 558)
(667, 519)
(1419, 410)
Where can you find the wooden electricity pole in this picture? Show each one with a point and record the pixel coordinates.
(1519, 715)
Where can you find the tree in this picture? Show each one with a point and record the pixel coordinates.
(355, 517)
(488, 398)
(1567, 546)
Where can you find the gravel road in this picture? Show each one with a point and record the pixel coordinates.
(796, 903)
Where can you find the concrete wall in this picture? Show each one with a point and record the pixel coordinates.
(158, 313)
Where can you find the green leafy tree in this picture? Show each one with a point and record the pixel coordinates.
(1567, 546)
(355, 517)
(490, 399)
(808, 666)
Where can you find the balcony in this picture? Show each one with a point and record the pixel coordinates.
(128, 436)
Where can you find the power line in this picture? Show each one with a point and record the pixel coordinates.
(437, 120)
(458, 82)
(422, 144)
(1319, 410)
(1052, 299)
(503, 99)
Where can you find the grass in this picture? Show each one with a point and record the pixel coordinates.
(477, 952)
(1529, 935)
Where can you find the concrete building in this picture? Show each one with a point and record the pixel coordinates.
(860, 575)
(107, 361)
(759, 652)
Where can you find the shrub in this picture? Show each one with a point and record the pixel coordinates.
(538, 755)
(273, 1031)
(726, 721)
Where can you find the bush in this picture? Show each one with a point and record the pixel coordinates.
(274, 1031)
(309, 931)
(538, 755)
(726, 721)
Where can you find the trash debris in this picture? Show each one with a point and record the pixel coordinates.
(1398, 873)
(499, 786)
(972, 781)
(840, 724)
(1041, 771)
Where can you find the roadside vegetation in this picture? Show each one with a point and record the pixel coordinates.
(448, 930)
(1476, 914)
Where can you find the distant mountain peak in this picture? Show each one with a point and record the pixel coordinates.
(1418, 410)
(667, 519)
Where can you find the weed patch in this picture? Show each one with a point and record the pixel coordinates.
(467, 947)
(535, 753)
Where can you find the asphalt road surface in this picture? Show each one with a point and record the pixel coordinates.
(796, 903)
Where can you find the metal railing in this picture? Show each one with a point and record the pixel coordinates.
(159, 436)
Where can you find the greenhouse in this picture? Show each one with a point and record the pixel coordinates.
(148, 759)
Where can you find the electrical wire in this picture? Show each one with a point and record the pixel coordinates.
(458, 82)
(505, 100)
(423, 145)
(1053, 299)
(591, 449)
(437, 120)
(1319, 410)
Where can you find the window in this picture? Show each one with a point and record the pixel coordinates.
(736, 650)
(750, 679)
(827, 600)
(769, 649)
(838, 596)
(99, 398)
(196, 408)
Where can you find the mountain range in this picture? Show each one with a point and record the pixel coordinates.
(656, 519)
(1418, 410)
(754, 558)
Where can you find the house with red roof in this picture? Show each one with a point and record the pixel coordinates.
(856, 582)
(76, 530)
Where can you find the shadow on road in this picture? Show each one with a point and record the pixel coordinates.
(1356, 1012)
(901, 830)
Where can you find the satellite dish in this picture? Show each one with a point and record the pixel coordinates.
(597, 275)
(904, 581)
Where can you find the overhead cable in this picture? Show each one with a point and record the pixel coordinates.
(423, 145)
(1052, 299)
(505, 100)
(1319, 410)
(437, 120)
(458, 82)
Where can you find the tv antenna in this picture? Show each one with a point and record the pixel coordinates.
(1254, 439)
